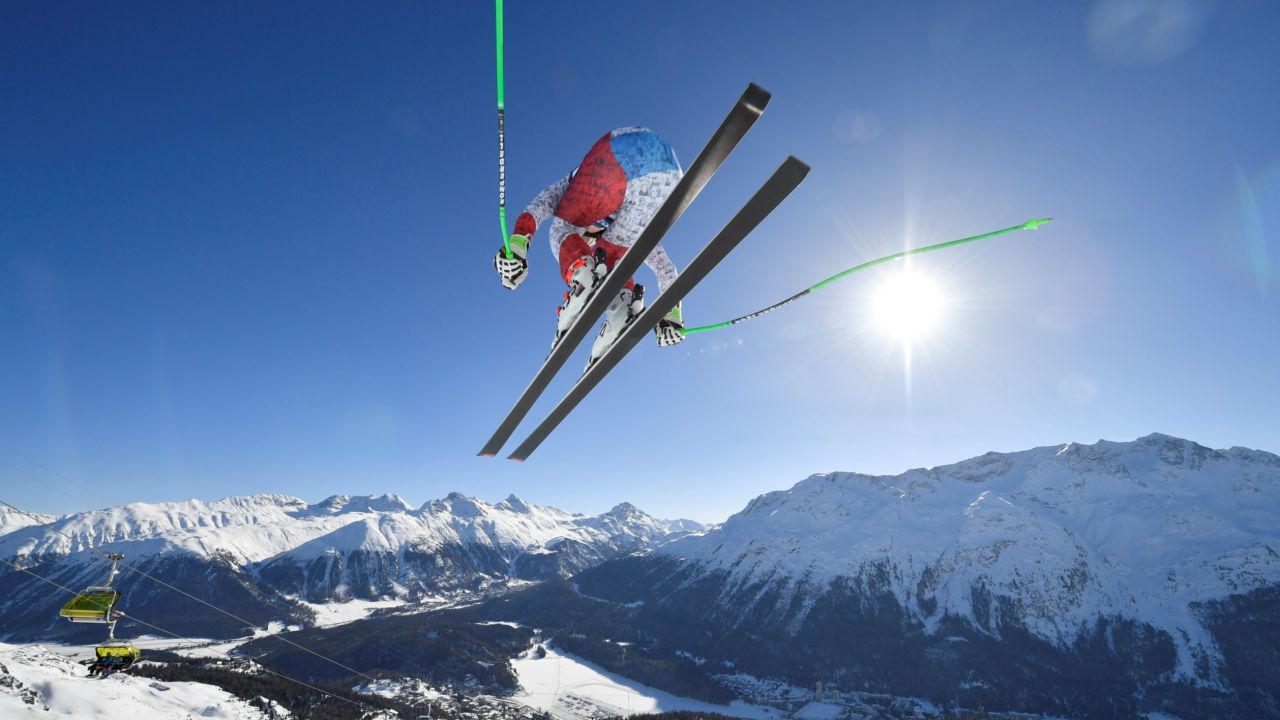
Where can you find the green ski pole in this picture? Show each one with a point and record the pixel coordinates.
(1028, 225)
(502, 141)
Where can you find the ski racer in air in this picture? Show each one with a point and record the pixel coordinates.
(596, 213)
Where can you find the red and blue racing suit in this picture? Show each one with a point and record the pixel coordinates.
(618, 186)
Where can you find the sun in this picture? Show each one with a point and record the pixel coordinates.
(908, 306)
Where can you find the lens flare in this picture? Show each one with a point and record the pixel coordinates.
(1253, 208)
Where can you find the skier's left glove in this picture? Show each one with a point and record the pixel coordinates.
(514, 269)
(670, 330)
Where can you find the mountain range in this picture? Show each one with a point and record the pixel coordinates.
(258, 555)
(1102, 580)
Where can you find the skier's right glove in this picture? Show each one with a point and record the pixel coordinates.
(670, 329)
(513, 269)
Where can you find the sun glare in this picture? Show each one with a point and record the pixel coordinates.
(908, 306)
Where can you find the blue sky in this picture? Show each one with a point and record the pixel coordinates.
(245, 247)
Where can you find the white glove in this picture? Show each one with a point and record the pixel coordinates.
(514, 269)
(670, 329)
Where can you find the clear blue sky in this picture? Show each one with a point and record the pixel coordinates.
(245, 247)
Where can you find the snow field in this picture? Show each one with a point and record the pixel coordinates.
(61, 685)
(568, 686)
(340, 613)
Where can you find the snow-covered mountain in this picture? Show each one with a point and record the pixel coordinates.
(257, 549)
(11, 520)
(457, 543)
(1143, 553)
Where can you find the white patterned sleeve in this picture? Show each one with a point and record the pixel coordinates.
(544, 205)
(661, 265)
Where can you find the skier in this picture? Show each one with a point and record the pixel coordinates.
(597, 212)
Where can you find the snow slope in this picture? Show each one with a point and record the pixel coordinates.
(40, 683)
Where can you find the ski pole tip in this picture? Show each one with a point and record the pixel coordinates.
(1034, 223)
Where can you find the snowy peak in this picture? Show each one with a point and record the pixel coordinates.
(515, 504)
(1159, 452)
(625, 516)
(684, 525)
(389, 503)
(1163, 473)
(624, 510)
(240, 525)
(458, 505)
(11, 520)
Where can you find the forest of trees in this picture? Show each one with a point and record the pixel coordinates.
(251, 686)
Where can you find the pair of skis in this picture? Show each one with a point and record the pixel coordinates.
(779, 185)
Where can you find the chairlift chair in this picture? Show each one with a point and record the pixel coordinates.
(94, 605)
(118, 655)
(97, 603)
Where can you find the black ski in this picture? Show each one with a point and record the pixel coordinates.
(735, 126)
(769, 196)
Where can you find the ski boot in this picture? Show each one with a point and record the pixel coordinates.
(625, 308)
(587, 274)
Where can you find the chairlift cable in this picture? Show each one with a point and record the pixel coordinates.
(172, 634)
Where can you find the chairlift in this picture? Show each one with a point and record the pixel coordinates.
(117, 655)
(97, 605)
(94, 605)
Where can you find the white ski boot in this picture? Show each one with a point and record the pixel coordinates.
(625, 308)
(588, 274)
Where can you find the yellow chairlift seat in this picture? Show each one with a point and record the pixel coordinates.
(94, 605)
(120, 653)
